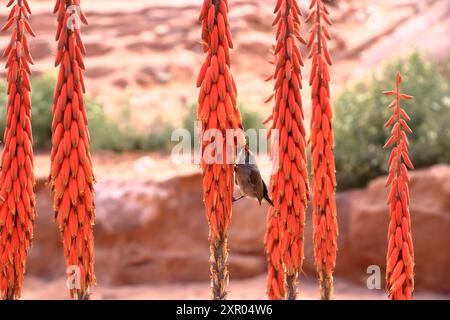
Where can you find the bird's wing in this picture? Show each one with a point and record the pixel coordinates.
(257, 183)
(265, 189)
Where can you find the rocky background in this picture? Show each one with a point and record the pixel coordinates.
(143, 55)
(151, 232)
(151, 235)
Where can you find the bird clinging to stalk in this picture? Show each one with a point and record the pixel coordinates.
(248, 178)
(289, 181)
(71, 174)
(17, 197)
(400, 253)
(325, 226)
(217, 113)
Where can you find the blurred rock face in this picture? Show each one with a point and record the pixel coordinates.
(153, 232)
(149, 232)
(364, 236)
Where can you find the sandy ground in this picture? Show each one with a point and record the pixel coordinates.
(250, 289)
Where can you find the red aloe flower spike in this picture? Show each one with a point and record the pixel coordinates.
(217, 110)
(17, 197)
(325, 226)
(289, 182)
(400, 254)
(71, 174)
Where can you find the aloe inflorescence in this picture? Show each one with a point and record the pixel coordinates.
(400, 254)
(17, 197)
(217, 113)
(325, 226)
(289, 180)
(71, 174)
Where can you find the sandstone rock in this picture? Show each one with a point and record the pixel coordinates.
(121, 83)
(150, 74)
(364, 242)
(151, 232)
(154, 231)
(98, 49)
(97, 72)
(45, 257)
(41, 49)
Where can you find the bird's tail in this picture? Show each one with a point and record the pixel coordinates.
(267, 198)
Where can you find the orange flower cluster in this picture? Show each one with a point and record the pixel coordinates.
(217, 110)
(17, 198)
(325, 227)
(400, 255)
(289, 183)
(71, 174)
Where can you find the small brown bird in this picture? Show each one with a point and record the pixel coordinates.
(248, 178)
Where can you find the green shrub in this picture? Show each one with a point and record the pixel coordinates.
(158, 137)
(361, 111)
(251, 119)
(105, 133)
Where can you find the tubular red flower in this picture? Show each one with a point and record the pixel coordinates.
(17, 197)
(71, 174)
(325, 227)
(289, 181)
(217, 110)
(276, 277)
(400, 254)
